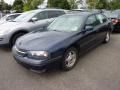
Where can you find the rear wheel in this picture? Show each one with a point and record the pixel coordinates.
(14, 38)
(70, 59)
(107, 37)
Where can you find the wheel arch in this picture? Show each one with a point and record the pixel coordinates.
(16, 32)
(75, 45)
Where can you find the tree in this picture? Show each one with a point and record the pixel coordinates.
(114, 4)
(72, 4)
(34, 3)
(97, 4)
(31, 4)
(18, 5)
(101, 4)
(26, 6)
(58, 4)
(92, 4)
(4, 6)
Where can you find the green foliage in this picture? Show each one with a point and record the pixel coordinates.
(35, 3)
(26, 7)
(114, 4)
(18, 5)
(104, 4)
(4, 6)
(31, 4)
(101, 4)
(58, 4)
(91, 3)
(72, 4)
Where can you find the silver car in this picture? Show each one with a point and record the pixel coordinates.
(28, 21)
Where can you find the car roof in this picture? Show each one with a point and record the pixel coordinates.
(38, 10)
(84, 14)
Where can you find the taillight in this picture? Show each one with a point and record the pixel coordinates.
(115, 20)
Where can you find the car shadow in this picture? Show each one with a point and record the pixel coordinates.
(115, 32)
(5, 49)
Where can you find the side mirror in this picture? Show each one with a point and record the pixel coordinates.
(33, 19)
(88, 28)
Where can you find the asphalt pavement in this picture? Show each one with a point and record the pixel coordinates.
(99, 69)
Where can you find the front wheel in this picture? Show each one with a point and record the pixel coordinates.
(70, 59)
(107, 37)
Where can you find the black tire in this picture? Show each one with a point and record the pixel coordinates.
(14, 38)
(64, 65)
(107, 37)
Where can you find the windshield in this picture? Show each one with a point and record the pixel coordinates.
(66, 23)
(26, 16)
(4, 18)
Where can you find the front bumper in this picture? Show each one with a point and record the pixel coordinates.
(4, 40)
(36, 65)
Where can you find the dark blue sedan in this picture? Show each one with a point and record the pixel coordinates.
(62, 41)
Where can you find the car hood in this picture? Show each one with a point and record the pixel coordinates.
(42, 40)
(2, 21)
(12, 25)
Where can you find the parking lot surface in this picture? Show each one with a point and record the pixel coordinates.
(99, 69)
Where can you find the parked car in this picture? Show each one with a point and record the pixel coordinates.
(118, 10)
(82, 10)
(62, 41)
(114, 16)
(28, 21)
(9, 17)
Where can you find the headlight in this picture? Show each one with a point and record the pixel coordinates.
(38, 54)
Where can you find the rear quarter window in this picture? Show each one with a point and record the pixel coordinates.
(101, 18)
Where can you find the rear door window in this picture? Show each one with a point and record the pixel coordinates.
(53, 14)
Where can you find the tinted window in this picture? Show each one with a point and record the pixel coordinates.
(41, 15)
(12, 17)
(92, 21)
(101, 18)
(52, 14)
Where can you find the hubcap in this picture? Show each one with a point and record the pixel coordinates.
(107, 36)
(70, 59)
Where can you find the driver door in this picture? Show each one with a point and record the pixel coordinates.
(88, 36)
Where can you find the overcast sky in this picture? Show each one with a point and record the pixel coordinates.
(9, 1)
